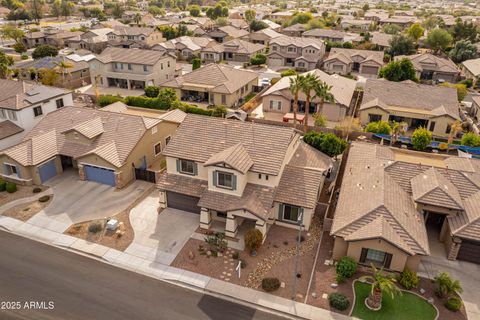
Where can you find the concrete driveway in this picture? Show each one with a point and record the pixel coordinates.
(468, 274)
(160, 237)
(76, 201)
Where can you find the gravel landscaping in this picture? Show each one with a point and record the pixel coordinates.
(105, 237)
(22, 192)
(25, 211)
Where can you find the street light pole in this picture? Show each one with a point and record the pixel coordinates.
(294, 287)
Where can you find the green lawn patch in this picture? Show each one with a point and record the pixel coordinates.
(408, 306)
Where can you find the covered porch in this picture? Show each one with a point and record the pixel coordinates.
(196, 96)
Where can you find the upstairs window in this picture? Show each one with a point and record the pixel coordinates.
(37, 111)
(224, 180)
(59, 103)
(187, 167)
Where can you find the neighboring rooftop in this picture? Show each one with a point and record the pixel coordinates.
(139, 56)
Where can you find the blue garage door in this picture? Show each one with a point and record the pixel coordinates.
(47, 170)
(100, 175)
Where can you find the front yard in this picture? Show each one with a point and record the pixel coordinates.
(407, 306)
(25, 211)
(22, 192)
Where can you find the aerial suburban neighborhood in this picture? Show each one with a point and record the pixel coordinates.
(169, 159)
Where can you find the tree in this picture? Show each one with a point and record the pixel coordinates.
(300, 17)
(319, 120)
(464, 31)
(36, 9)
(218, 11)
(399, 70)
(56, 8)
(67, 8)
(433, 22)
(253, 239)
(63, 66)
(137, 18)
(117, 10)
(5, 63)
(44, 51)
(18, 14)
(196, 63)
(391, 29)
(421, 139)
(152, 91)
(194, 10)
(438, 40)
(381, 284)
(470, 139)
(415, 31)
(9, 31)
(288, 73)
(379, 127)
(455, 128)
(48, 77)
(401, 45)
(168, 96)
(307, 85)
(461, 89)
(322, 92)
(446, 286)
(221, 22)
(249, 15)
(397, 130)
(295, 87)
(156, 11)
(366, 7)
(257, 25)
(19, 47)
(463, 50)
(327, 143)
(258, 59)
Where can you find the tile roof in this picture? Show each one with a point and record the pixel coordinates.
(432, 100)
(138, 56)
(235, 157)
(233, 32)
(132, 31)
(17, 95)
(120, 134)
(217, 78)
(192, 43)
(427, 61)
(51, 63)
(380, 38)
(181, 184)
(238, 46)
(298, 42)
(346, 55)
(473, 66)
(318, 32)
(8, 128)
(200, 137)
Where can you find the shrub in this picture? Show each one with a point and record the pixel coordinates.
(421, 139)
(19, 47)
(345, 268)
(408, 279)
(380, 127)
(44, 198)
(470, 139)
(327, 143)
(453, 304)
(446, 286)
(258, 59)
(11, 187)
(105, 100)
(253, 239)
(3, 185)
(44, 51)
(467, 82)
(288, 72)
(152, 91)
(95, 227)
(235, 255)
(270, 284)
(243, 264)
(338, 301)
(196, 63)
(24, 57)
(216, 242)
(37, 190)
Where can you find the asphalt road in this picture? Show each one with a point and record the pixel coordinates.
(82, 288)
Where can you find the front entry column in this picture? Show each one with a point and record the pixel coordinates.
(205, 219)
(128, 84)
(262, 226)
(231, 226)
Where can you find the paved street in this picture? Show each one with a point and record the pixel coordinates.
(82, 288)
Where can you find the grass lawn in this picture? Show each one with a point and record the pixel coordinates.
(405, 307)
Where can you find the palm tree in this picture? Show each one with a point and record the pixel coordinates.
(455, 128)
(381, 284)
(446, 286)
(398, 129)
(295, 87)
(310, 81)
(323, 94)
(137, 18)
(63, 66)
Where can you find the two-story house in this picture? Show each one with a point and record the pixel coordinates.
(185, 47)
(23, 105)
(226, 33)
(94, 40)
(134, 37)
(214, 84)
(234, 50)
(131, 68)
(301, 53)
(239, 175)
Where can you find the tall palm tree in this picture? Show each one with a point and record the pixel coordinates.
(295, 87)
(455, 128)
(398, 129)
(63, 66)
(381, 284)
(323, 94)
(310, 81)
(137, 18)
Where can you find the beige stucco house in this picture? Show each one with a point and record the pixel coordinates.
(430, 67)
(214, 84)
(346, 61)
(301, 53)
(127, 37)
(278, 98)
(432, 107)
(413, 198)
(238, 175)
(103, 146)
(234, 50)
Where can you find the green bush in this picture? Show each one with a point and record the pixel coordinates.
(338, 301)
(270, 284)
(421, 139)
(379, 127)
(11, 187)
(470, 139)
(453, 304)
(467, 82)
(152, 91)
(37, 190)
(3, 185)
(44, 51)
(44, 198)
(105, 100)
(236, 255)
(95, 227)
(288, 72)
(327, 143)
(345, 268)
(408, 279)
(24, 57)
(253, 239)
(258, 59)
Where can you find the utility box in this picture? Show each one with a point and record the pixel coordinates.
(112, 224)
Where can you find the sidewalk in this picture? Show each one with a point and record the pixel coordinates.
(164, 272)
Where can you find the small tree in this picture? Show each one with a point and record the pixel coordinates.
(288, 73)
(319, 120)
(258, 59)
(399, 71)
(438, 40)
(194, 10)
(415, 31)
(257, 25)
(470, 139)
(421, 139)
(44, 51)
(463, 50)
(401, 45)
(253, 240)
(446, 286)
(379, 127)
(152, 91)
(196, 63)
(345, 268)
(249, 15)
(217, 242)
(381, 284)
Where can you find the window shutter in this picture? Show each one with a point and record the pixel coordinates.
(271, 104)
(234, 182)
(280, 211)
(214, 178)
(388, 260)
(18, 171)
(178, 165)
(195, 168)
(5, 169)
(300, 211)
(363, 255)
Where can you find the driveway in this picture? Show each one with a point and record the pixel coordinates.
(160, 237)
(468, 274)
(76, 201)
